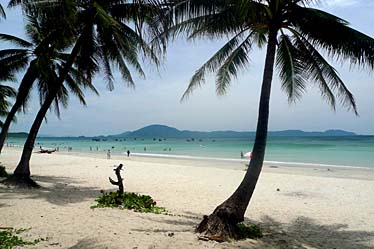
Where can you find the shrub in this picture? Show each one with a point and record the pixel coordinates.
(9, 238)
(249, 232)
(132, 201)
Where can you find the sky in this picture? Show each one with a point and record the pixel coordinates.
(156, 99)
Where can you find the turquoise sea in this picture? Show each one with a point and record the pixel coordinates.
(355, 151)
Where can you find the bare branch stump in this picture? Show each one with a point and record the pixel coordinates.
(119, 181)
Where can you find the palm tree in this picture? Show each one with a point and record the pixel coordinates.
(103, 36)
(43, 59)
(293, 34)
(35, 57)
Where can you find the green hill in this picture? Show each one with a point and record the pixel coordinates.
(18, 134)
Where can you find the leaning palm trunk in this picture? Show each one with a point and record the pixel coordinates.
(23, 168)
(222, 222)
(21, 176)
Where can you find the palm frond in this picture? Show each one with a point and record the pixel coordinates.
(6, 92)
(81, 80)
(2, 12)
(86, 61)
(333, 34)
(237, 60)
(15, 40)
(134, 42)
(12, 61)
(74, 88)
(291, 69)
(319, 70)
(212, 64)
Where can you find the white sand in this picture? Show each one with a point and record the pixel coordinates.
(315, 207)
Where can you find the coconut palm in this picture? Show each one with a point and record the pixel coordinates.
(42, 58)
(105, 33)
(34, 56)
(293, 34)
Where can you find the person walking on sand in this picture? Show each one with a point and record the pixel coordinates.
(108, 154)
(128, 153)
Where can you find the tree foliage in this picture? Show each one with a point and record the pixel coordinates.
(302, 31)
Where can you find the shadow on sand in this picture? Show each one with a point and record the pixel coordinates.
(300, 233)
(304, 232)
(86, 243)
(3, 205)
(60, 191)
(171, 223)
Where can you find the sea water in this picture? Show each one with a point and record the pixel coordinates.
(355, 151)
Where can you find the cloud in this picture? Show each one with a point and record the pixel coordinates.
(341, 3)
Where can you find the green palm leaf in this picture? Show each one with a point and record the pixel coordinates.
(320, 70)
(339, 40)
(237, 60)
(291, 69)
(212, 64)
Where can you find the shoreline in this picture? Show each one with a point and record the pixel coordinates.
(307, 169)
(102, 154)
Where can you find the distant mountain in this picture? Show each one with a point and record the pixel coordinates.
(156, 130)
(300, 133)
(17, 134)
(163, 131)
(121, 135)
(339, 133)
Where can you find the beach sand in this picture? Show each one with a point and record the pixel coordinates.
(315, 207)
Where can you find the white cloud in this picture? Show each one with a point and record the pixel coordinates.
(341, 3)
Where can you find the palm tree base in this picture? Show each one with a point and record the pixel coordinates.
(20, 181)
(218, 227)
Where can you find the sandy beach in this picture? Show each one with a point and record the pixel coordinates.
(315, 207)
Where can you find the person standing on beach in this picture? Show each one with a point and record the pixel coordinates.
(108, 154)
(128, 153)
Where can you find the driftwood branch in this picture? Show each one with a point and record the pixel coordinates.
(119, 181)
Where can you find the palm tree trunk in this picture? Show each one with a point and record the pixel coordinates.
(23, 168)
(21, 175)
(222, 222)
